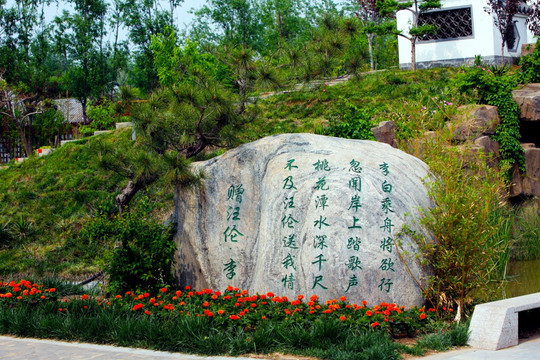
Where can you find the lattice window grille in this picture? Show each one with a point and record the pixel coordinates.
(452, 24)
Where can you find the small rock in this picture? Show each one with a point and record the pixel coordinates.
(474, 121)
(385, 132)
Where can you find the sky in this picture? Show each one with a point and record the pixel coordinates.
(182, 15)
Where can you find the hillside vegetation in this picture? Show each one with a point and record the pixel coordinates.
(46, 202)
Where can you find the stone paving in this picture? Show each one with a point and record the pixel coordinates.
(526, 350)
(23, 349)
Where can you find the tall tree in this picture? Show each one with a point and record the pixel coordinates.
(84, 46)
(503, 12)
(416, 28)
(17, 26)
(17, 108)
(237, 21)
(375, 23)
(284, 21)
(144, 19)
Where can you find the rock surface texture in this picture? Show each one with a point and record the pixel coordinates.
(528, 99)
(385, 132)
(304, 214)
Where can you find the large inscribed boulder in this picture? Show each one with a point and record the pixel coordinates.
(305, 214)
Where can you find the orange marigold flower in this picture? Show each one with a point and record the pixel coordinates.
(270, 294)
(342, 318)
(364, 302)
(327, 311)
(164, 290)
(230, 288)
(188, 287)
(16, 289)
(221, 311)
(118, 297)
(42, 297)
(206, 304)
(178, 293)
(52, 290)
(375, 324)
(300, 297)
(421, 310)
(422, 316)
(343, 298)
(234, 317)
(253, 305)
(147, 312)
(84, 297)
(263, 318)
(369, 313)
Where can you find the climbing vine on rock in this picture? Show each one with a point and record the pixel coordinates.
(496, 89)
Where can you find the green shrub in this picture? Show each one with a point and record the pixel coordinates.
(496, 90)
(463, 249)
(351, 122)
(101, 116)
(143, 252)
(530, 67)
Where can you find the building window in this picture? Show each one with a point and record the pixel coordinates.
(452, 24)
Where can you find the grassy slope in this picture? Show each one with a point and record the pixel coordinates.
(57, 193)
(46, 201)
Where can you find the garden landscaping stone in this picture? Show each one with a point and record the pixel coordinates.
(385, 132)
(528, 99)
(305, 214)
(474, 121)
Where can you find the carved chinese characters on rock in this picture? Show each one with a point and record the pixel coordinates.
(232, 233)
(304, 214)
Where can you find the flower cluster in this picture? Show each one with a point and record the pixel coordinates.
(235, 307)
(24, 291)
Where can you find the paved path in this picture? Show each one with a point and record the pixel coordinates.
(23, 349)
(526, 350)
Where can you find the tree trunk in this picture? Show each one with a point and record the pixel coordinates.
(127, 194)
(370, 44)
(502, 54)
(413, 53)
(26, 144)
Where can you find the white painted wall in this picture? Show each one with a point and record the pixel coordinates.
(486, 39)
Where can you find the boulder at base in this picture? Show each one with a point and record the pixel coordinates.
(304, 214)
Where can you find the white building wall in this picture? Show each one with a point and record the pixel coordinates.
(486, 39)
